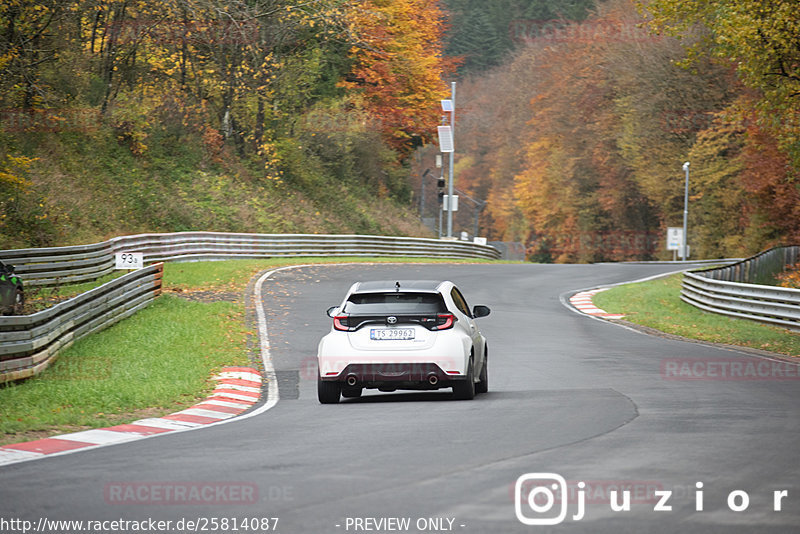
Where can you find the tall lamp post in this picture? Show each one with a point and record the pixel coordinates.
(447, 144)
(450, 184)
(685, 212)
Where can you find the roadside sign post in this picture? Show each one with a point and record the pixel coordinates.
(674, 240)
(445, 138)
(129, 260)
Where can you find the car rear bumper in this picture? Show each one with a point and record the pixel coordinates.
(418, 375)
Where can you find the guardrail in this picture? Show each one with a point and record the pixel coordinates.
(29, 343)
(67, 265)
(759, 269)
(725, 290)
(60, 265)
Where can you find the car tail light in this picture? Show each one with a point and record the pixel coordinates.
(444, 321)
(342, 323)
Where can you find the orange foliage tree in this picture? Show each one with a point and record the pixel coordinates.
(399, 65)
(579, 139)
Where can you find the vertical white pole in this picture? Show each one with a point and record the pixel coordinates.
(451, 185)
(685, 212)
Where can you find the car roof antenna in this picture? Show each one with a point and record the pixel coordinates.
(397, 286)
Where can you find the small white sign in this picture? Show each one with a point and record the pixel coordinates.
(479, 240)
(446, 204)
(674, 238)
(445, 139)
(129, 260)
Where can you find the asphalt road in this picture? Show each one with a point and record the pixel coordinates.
(569, 395)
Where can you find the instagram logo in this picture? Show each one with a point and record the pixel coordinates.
(540, 492)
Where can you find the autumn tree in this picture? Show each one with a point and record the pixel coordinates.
(593, 122)
(323, 95)
(399, 65)
(760, 37)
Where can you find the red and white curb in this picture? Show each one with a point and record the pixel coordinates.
(237, 390)
(583, 303)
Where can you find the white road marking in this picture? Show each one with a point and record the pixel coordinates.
(100, 436)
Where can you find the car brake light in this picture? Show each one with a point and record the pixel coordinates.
(445, 321)
(341, 323)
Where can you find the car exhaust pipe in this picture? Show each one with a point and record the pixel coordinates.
(433, 379)
(352, 380)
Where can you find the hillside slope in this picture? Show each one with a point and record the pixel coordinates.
(264, 116)
(83, 188)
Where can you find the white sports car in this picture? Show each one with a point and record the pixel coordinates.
(403, 335)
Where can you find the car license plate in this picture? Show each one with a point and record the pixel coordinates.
(380, 334)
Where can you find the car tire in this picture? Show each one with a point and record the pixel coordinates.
(465, 390)
(328, 392)
(352, 393)
(483, 379)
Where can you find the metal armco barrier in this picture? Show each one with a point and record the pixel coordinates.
(729, 290)
(29, 343)
(60, 265)
(196, 246)
(67, 265)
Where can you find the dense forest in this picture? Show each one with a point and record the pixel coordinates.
(574, 118)
(577, 140)
(119, 116)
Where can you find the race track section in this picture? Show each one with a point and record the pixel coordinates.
(237, 390)
(571, 398)
(583, 302)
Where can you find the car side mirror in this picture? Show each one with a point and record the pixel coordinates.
(332, 311)
(481, 311)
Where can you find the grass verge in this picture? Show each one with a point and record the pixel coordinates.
(156, 362)
(657, 304)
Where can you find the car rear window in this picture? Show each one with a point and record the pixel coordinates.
(394, 303)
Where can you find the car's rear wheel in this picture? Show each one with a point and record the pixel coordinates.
(328, 392)
(483, 379)
(352, 393)
(465, 390)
